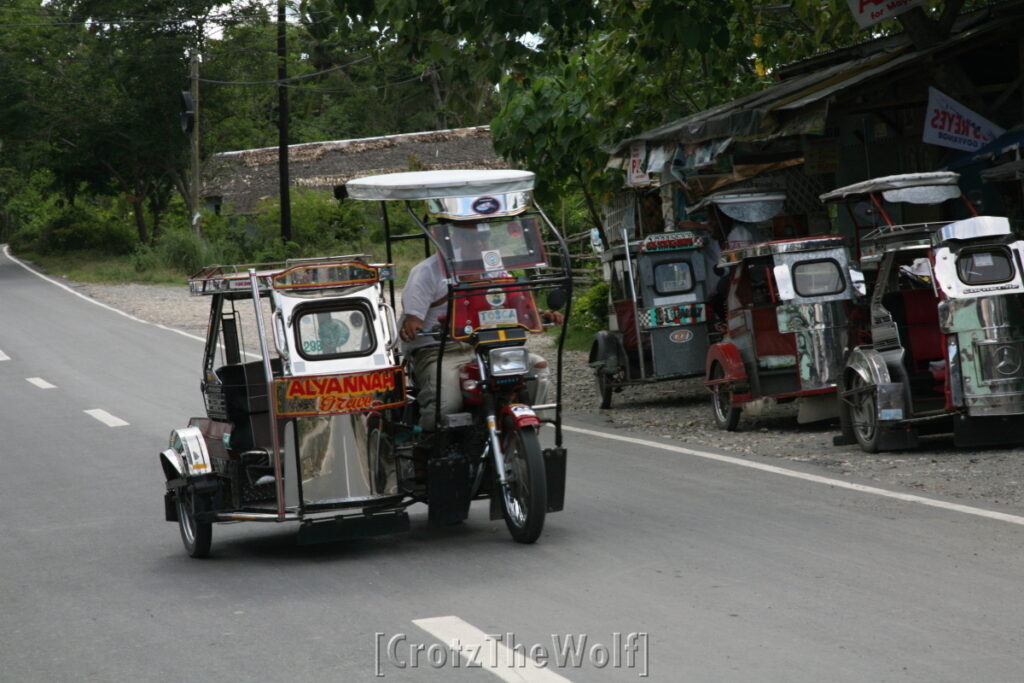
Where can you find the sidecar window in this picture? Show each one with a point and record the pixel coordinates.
(985, 266)
(338, 333)
(818, 278)
(673, 278)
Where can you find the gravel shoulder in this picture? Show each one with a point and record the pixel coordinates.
(680, 410)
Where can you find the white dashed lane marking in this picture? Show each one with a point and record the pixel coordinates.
(106, 418)
(485, 652)
(4, 356)
(40, 382)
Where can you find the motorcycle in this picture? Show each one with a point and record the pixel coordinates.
(491, 447)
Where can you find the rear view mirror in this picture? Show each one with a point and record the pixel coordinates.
(557, 299)
(857, 280)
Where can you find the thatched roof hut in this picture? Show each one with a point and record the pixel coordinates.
(238, 180)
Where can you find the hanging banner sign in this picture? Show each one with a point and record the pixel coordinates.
(636, 174)
(870, 12)
(950, 124)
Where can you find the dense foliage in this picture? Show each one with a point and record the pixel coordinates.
(92, 154)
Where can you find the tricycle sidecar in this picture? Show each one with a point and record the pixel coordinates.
(658, 309)
(293, 431)
(787, 329)
(947, 325)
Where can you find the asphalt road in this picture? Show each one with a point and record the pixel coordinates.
(719, 572)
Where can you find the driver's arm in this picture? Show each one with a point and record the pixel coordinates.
(411, 326)
(552, 318)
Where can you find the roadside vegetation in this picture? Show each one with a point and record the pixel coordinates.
(94, 161)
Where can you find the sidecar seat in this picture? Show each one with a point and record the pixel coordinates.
(247, 404)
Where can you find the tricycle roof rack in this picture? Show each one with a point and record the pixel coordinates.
(731, 257)
(914, 235)
(423, 185)
(308, 274)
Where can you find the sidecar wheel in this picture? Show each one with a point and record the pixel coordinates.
(727, 416)
(863, 416)
(196, 536)
(525, 500)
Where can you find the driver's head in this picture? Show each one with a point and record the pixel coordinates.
(472, 238)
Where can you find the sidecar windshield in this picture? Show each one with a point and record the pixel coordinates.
(334, 333)
(492, 247)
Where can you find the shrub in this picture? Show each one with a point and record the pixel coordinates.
(590, 310)
(76, 227)
(183, 250)
(144, 259)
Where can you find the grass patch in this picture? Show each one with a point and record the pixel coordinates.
(576, 338)
(103, 269)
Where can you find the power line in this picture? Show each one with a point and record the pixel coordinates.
(287, 80)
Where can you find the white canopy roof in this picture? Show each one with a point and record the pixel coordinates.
(439, 184)
(892, 182)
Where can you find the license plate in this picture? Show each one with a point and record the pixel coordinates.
(498, 316)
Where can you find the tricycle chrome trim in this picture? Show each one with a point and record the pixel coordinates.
(269, 377)
(869, 364)
(973, 228)
(190, 447)
(731, 257)
(257, 517)
(821, 340)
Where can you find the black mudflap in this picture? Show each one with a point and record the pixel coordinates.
(170, 506)
(347, 528)
(897, 438)
(988, 431)
(554, 473)
(447, 490)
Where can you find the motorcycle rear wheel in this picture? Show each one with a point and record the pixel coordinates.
(525, 499)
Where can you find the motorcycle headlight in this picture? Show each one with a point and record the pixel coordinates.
(505, 362)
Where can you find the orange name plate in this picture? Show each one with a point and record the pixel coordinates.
(340, 394)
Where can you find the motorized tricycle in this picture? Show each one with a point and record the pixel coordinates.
(310, 423)
(947, 325)
(659, 320)
(489, 241)
(787, 329)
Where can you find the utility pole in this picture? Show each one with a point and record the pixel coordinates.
(196, 182)
(282, 123)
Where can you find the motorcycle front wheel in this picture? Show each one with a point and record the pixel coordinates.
(525, 499)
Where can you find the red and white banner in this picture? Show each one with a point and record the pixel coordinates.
(950, 124)
(870, 12)
(636, 175)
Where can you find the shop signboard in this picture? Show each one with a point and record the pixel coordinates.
(870, 12)
(950, 124)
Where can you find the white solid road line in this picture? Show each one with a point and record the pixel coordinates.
(106, 418)
(4, 356)
(905, 497)
(484, 652)
(839, 483)
(7, 253)
(40, 382)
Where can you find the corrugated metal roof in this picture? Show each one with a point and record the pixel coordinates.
(242, 178)
(775, 110)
